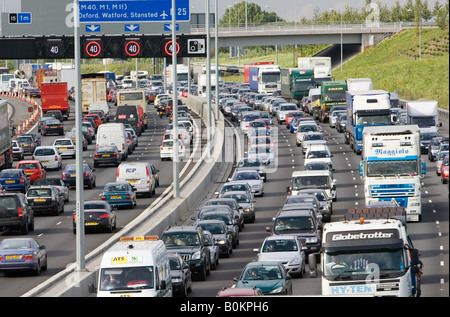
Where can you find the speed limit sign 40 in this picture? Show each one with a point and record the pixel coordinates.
(168, 48)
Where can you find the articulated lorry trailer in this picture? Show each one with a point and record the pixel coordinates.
(6, 154)
(321, 66)
(365, 108)
(392, 167)
(295, 83)
(368, 253)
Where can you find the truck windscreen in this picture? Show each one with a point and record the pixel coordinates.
(392, 167)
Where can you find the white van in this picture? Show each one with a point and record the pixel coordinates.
(113, 134)
(139, 175)
(135, 267)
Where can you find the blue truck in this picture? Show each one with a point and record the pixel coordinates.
(365, 108)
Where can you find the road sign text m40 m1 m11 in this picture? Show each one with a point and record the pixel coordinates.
(106, 46)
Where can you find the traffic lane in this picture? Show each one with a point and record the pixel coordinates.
(56, 232)
(253, 234)
(431, 235)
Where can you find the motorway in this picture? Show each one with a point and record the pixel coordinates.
(55, 232)
(430, 236)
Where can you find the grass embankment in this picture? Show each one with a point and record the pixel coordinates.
(394, 64)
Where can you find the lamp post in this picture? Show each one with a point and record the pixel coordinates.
(342, 46)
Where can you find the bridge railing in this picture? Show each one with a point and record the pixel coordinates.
(293, 26)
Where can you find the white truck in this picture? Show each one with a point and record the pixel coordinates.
(320, 64)
(265, 79)
(202, 80)
(182, 73)
(135, 267)
(368, 253)
(358, 84)
(425, 114)
(392, 167)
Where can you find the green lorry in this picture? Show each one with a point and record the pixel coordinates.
(332, 93)
(295, 83)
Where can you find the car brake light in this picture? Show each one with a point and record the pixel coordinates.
(28, 257)
(117, 175)
(114, 154)
(103, 197)
(104, 216)
(148, 175)
(128, 197)
(96, 155)
(1, 258)
(87, 174)
(20, 212)
(22, 180)
(56, 157)
(63, 175)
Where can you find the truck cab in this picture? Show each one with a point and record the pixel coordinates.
(368, 253)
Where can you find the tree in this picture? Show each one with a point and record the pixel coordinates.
(426, 13)
(442, 16)
(396, 12)
(408, 12)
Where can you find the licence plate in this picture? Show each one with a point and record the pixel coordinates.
(10, 182)
(25, 144)
(116, 197)
(44, 161)
(63, 148)
(169, 148)
(73, 175)
(91, 223)
(133, 181)
(39, 199)
(53, 126)
(106, 155)
(13, 257)
(29, 173)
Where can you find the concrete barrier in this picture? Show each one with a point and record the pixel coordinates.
(163, 212)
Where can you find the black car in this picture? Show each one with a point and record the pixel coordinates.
(232, 69)
(189, 243)
(28, 142)
(227, 217)
(55, 113)
(69, 175)
(107, 154)
(222, 236)
(53, 126)
(44, 199)
(98, 215)
(181, 275)
(15, 213)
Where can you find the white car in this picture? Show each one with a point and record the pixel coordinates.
(318, 152)
(303, 128)
(66, 147)
(252, 177)
(262, 152)
(166, 150)
(49, 156)
(311, 138)
(286, 249)
(284, 109)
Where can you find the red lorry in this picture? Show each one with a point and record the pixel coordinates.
(54, 96)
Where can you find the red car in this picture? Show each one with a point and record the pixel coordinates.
(33, 168)
(444, 170)
(292, 115)
(98, 120)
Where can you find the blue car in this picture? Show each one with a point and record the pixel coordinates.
(14, 179)
(69, 175)
(22, 254)
(119, 194)
(269, 276)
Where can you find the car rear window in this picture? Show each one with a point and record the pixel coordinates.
(11, 174)
(44, 152)
(39, 192)
(7, 203)
(28, 166)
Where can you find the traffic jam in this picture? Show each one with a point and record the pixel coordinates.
(304, 240)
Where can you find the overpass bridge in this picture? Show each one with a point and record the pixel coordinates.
(290, 34)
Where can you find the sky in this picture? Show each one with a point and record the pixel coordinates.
(288, 9)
